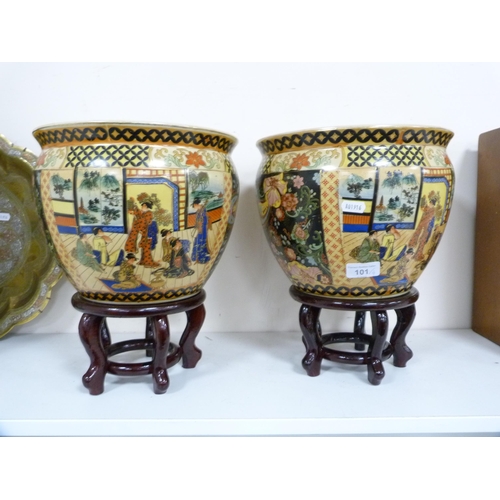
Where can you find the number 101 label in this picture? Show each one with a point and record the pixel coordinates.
(362, 270)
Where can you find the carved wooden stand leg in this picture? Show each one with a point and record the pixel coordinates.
(161, 334)
(96, 338)
(379, 350)
(105, 336)
(149, 336)
(190, 353)
(90, 331)
(359, 328)
(374, 357)
(402, 353)
(311, 336)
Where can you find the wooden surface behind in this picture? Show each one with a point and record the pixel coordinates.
(486, 301)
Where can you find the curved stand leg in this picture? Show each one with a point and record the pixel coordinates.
(402, 353)
(91, 332)
(359, 327)
(190, 353)
(374, 361)
(161, 331)
(149, 336)
(105, 335)
(311, 331)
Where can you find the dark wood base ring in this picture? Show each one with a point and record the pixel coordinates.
(378, 348)
(96, 338)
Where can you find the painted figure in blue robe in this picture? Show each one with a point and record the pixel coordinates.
(179, 261)
(201, 252)
(153, 233)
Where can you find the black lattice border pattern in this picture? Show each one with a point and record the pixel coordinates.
(138, 135)
(395, 155)
(135, 297)
(350, 136)
(121, 155)
(344, 291)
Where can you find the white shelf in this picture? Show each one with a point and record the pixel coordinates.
(253, 384)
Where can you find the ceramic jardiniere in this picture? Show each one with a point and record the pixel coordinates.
(355, 212)
(136, 212)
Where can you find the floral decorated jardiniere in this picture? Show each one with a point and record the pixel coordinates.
(136, 212)
(355, 212)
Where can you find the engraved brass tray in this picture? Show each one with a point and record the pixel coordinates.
(28, 268)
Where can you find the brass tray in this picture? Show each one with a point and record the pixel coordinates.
(28, 268)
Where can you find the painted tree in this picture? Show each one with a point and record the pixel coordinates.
(94, 205)
(396, 179)
(109, 214)
(90, 181)
(60, 185)
(110, 183)
(198, 180)
(356, 184)
(405, 211)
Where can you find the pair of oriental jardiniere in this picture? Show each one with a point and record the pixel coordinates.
(141, 214)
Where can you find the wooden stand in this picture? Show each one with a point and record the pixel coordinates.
(378, 349)
(96, 339)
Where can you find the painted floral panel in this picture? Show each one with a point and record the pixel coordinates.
(291, 210)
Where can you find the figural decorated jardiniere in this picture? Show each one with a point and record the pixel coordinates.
(355, 212)
(136, 212)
